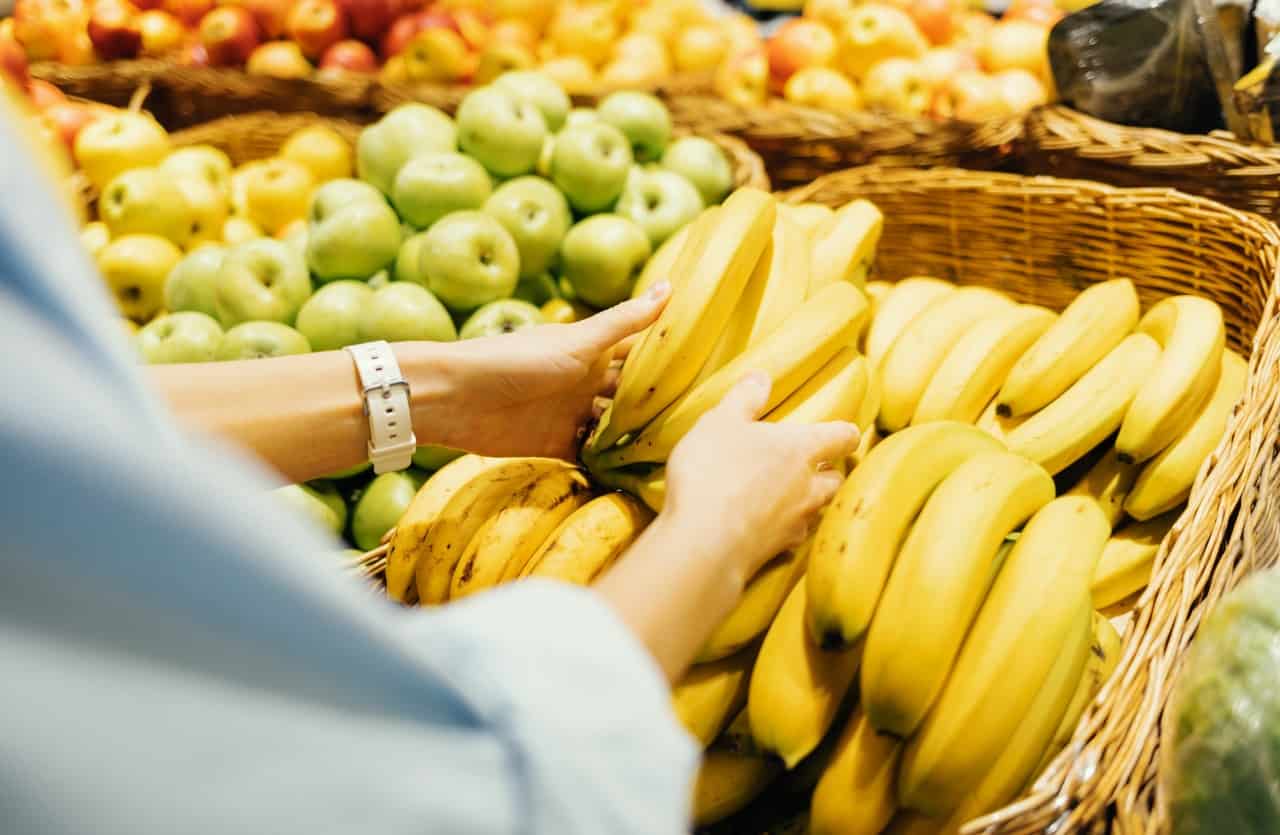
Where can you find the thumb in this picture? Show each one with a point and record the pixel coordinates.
(749, 397)
(609, 327)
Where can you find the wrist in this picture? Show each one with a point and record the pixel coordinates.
(694, 537)
(434, 391)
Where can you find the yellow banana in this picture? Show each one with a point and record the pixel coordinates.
(1108, 482)
(663, 261)
(835, 392)
(907, 822)
(939, 581)
(1065, 430)
(807, 340)
(465, 513)
(855, 795)
(1037, 610)
(906, 300)
(1165, 481)
(808, 216)
(1192, 335)
(997, 426)
(713, 271)
(648, 484)
(1126, 563)
(978, 364)
(796, 688)
(729, 780)
(759, 604)
(862, 529)
(503, 545)
(590, 539)
(924, 344)
(710, 695)
(844, 246)
(1090, 327)
(870, 408)
(406, 544)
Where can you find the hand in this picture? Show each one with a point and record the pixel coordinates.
(757, 486)
(532, 392)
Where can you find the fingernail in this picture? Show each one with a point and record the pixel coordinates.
(660, 290)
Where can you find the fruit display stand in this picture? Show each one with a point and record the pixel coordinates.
(1064, 142)
(801, 143)
(1041, 240)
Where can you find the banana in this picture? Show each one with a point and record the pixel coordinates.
(1090, 327)
(870, 408)
(1036, 612)
(500, 549)
(729, 780)
(907, 822)
(862, 529)
(939, 581)
(1104, 655)
(845, 245)
(906, 300)
(796, 688)
(979, 362)
(808, 216)
(648, 484)
(924, 344)
(855, 795)
(807, 340)
(1165, 481)
(759, 604)
(835, 392)
(877, 291)
(1090, 410)
(1126, 563)
(1192, 335)
(465, 513)
(590, 539)
(406, 543)
(997, 426)
(710, 695)
(1108, 482)
(662, 264)
(722, 253)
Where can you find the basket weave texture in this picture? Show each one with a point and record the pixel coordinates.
(1042, 240)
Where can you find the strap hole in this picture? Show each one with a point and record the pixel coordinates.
(390, 410)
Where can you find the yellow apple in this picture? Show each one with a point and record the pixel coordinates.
(970, 96)
(742, 34)
(94, 237)
(135, 268)
(236, 186)
(499, 58)
(145, 201)
(833, 13)
(641, 45)
(207, 206)
(201, 160)
(897, 85)
(653, 20)
(744, 79)
(633, 72)
(572, 72)
(875, 32)
(322, 151)
(279, 59)
(535, 13)
(822, 87)
(1017, 45)
(588, 30)
(1020, 90)
(115, 143)
(438, 55)
(943, 62)
(277, 192)
(700, 48)
(238, 230)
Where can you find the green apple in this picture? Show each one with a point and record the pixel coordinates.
(430, 186)
(502, 316)
(379, 280)
(337, 194)
(602, 256)
(204, 161)
(580, 116)
(537, 290)
(314, 502)
(350, 472)
(590, 164)
(660, 202)
(330, 319)
(118, 142)
(405, 132)
(501, 131)
(380, 507)
(94, 236)
(701, 162)
(543, 168)
(263, 279)
(191, 285)
(135, 268)
(145, 201)
(402, 312)
(431, 457)
(408, 265)
(642, 118)
(180, 337)
(469, 260)
(353, 241)
(540, 90)
(296, 237)
(255, 340)
(537, 216)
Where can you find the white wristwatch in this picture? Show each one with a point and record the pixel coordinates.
(386, 404)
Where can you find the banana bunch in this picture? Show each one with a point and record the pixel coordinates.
(479, 521)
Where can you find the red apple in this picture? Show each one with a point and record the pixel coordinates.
(351, 56)
(77, 50)
(68, 118)
(13, 60)
(279, 59)
(229, 34)
(114, 29)
(44, 95)
(44, 27)
(408, 27)
(799, 43)
(370, 19)
(935, 18)
(162, 33)
(148, 5)
(188, 11)
(270, 15)
(317, 25)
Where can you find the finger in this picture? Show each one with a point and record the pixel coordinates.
(610, 385)
(747, 399)
(623, 348)
(825, 485)
(831, 441)
(607, 328)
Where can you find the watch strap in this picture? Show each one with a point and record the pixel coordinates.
(386, 404)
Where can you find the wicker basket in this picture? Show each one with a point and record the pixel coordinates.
(1063, 142)
(800, 143)
(1042, 240)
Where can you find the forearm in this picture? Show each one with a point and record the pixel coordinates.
(672, 587)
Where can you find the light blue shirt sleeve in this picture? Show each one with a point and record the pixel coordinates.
(178, 654)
